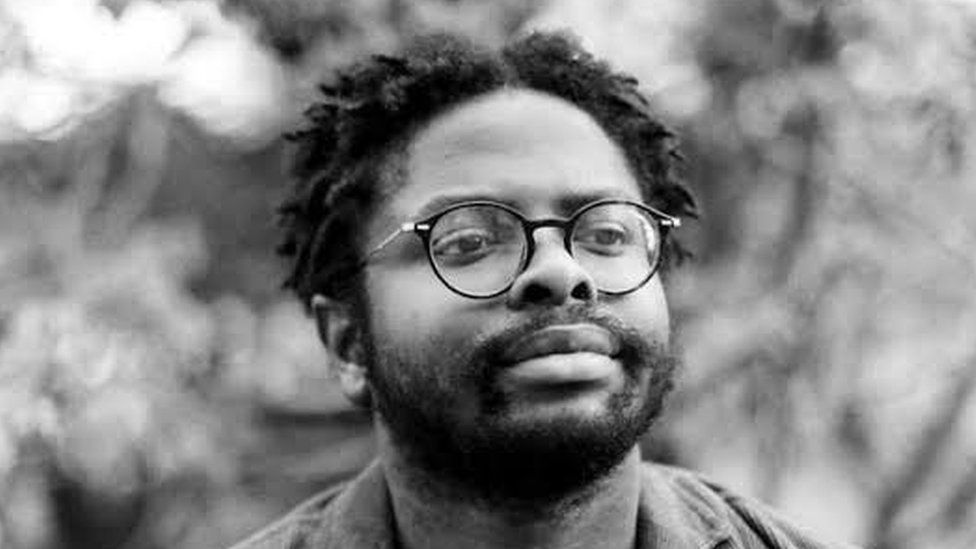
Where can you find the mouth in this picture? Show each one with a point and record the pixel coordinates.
(571, 356)
(562, 340)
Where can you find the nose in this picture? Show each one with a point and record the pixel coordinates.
(552, 277)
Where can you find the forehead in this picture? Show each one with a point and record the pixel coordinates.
(536, 152)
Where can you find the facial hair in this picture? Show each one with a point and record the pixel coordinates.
(493, 457)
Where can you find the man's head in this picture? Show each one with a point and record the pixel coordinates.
(536, 390)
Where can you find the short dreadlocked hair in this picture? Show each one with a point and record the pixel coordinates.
(366, 118)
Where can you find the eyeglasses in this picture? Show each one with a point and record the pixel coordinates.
(478, 249)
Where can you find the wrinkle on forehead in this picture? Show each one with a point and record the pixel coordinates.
(505, 121)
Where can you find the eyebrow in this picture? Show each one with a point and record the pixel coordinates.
(566, 204)
(444, 201)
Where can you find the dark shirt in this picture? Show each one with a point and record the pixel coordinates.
(677, 509)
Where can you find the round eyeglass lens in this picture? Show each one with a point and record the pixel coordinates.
(477, 250)
(618, 245)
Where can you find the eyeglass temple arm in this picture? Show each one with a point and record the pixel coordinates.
(408, 227)
(673, 222)
(667, 220)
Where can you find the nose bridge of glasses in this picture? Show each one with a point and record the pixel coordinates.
(531, 225)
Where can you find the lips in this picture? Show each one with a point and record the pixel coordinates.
(562, 339)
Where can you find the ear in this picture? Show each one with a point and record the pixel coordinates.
(340, 333)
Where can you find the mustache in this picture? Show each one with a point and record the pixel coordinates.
(633, 346)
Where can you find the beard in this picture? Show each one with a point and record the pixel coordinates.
(489, 454)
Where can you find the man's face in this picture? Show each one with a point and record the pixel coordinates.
(542, 389)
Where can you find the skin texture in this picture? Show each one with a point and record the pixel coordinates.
(479, 454)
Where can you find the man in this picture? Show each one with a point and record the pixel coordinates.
(480, 236)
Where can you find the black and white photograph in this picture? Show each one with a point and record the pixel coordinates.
(487, 274)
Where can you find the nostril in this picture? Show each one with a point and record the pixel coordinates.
(542, 293)
(582, 292)
(536, 293)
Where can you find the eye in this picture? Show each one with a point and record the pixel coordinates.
(464, 245)
(604, 237)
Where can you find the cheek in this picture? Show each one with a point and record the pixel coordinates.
(409, 308)
(647, 310)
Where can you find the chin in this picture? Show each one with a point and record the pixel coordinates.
(550, 454)
(526, 453)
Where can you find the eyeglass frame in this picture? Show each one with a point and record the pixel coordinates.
(424, 227)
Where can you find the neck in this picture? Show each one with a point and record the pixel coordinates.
(428, 514)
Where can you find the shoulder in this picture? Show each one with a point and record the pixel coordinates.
(352, 515)
(695, 502)
(295, 528)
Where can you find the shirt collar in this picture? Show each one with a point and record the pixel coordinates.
(672, 513)
(360, 517)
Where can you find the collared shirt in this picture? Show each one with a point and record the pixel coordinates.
(678, 509)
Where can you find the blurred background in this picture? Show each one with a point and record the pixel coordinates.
(158, 389)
